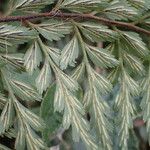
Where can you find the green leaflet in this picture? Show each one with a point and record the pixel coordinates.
(21, 139)
(100, 113)
(117, 10)
(101, 57)
(96, 32)
(54, 54)
(24, 90)
(27, 122)
(66, 101)
(15, 34)
(98, 80)
(124, 101)
(78, 73)
(21, 3)
(33, 140)
(53, 29)
(99, 109)
(59, 101)
(145, 102)
(7, 116)
(70, 83)
(27, 6)
(53, 119)
(131, 85)
(133, 43)
(11, 133)
(69, 54)
(3, 100)
(147, 4)
(28, 138)
(44, 78)
(81, 5)
(4, 44)
(29, 117)
(15, 60)
(113, 75)
(134, 63)
(80, 2)
(26, 118)
(4, 147)
(130, 58)
(64, 83)
(33, 57)
(97, 86)
(22, 87)
(128, 89)
(138, 4)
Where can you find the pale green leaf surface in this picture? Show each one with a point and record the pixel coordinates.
(33, 57)
(96, 32)
(119, 10)
(101, 57)
(53, 119)
(133, 42)
(69, 54)
(44, 78)
(53, 29)
(7, 115)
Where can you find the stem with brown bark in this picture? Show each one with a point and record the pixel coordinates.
(61, 15)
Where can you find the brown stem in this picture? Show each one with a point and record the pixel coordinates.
(74, 16)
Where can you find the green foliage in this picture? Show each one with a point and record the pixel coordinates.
(56, 65)
(53, 119)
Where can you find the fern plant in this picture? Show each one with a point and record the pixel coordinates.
(53, 74)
